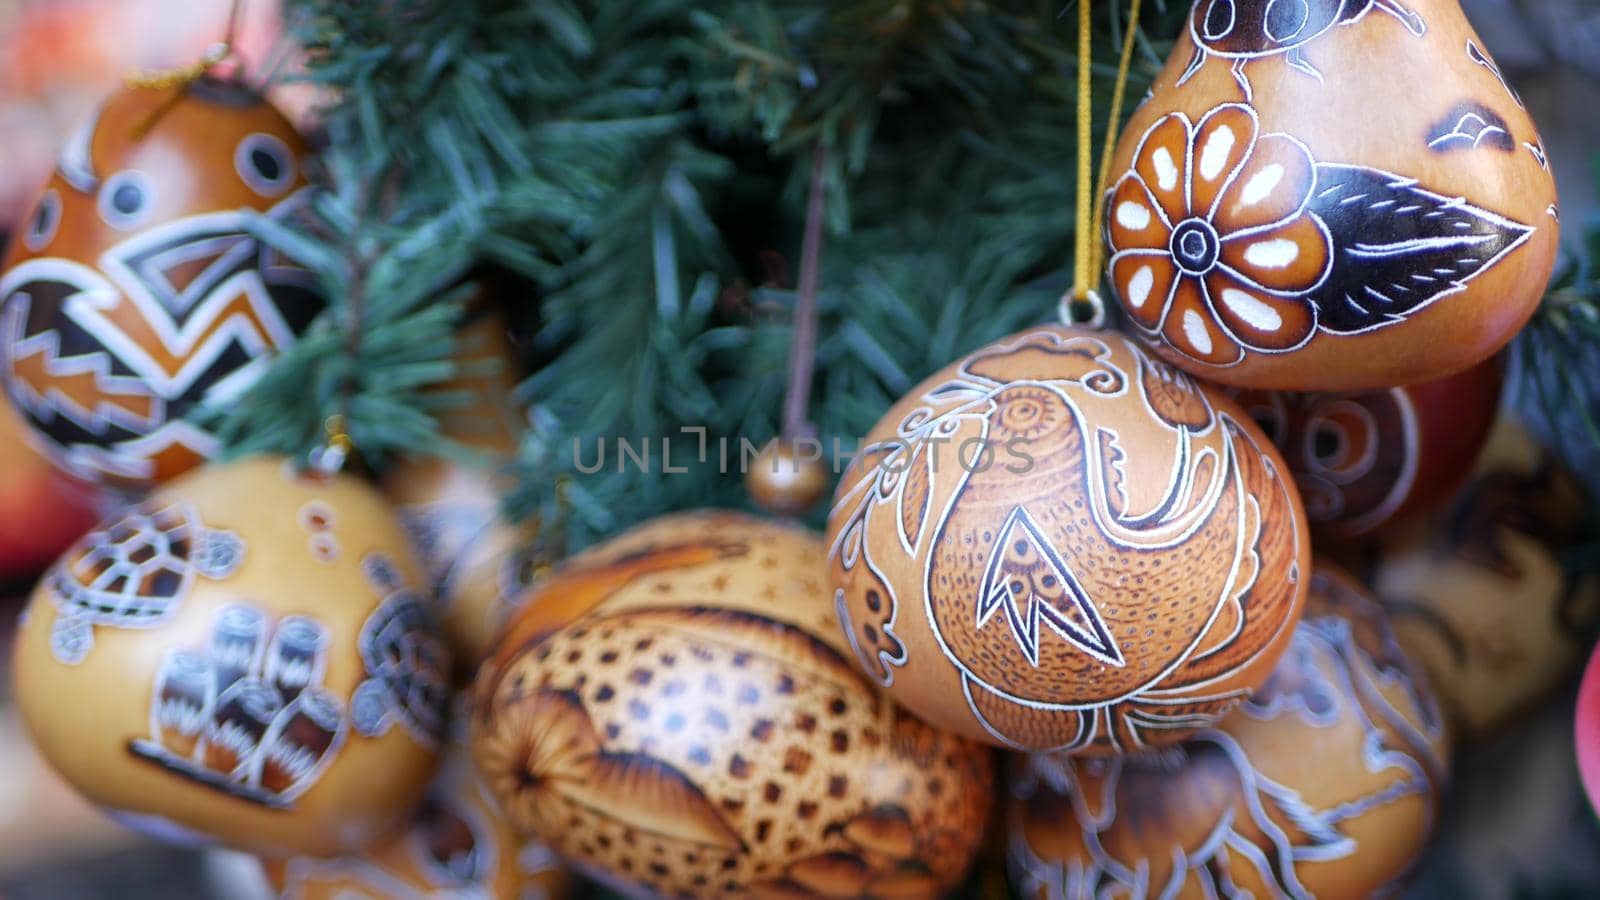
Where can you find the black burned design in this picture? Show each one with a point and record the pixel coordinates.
(1300, 245)
(1399, 247)
(406, 663)
(248, 715)
(1476, 54)
(135, 572)
(1245, 30)
(1468, 126)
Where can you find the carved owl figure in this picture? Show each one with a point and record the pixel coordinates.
(146, 281)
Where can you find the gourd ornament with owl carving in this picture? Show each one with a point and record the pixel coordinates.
(143, 282)
(1061, 543)
(1326, 195)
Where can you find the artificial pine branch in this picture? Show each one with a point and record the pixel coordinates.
(952, 214)
(641, 162)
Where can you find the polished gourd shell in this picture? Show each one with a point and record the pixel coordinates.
(458, 845)
(480, 563)
(146, 280)
(673, 712)
(1348, 197)
(1365, 459)
(1479, 593)
(1060, 543)
(240, 658)
(1325, 784)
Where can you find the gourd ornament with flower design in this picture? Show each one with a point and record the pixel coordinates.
(1330, 195)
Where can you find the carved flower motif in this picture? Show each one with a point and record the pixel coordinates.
(1213, 246)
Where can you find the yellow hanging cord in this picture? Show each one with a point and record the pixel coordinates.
(1097, 261)
(1083, 261)
(182, 75)
(1090, 250)
(161, 79)
(177, 79)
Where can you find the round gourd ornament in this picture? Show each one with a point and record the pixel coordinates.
(240, 658)
(457, 846)
(1478, 592)
(1364, 459)
(480, 564)
(144, 282)
(1325, 784)
(673, 712)
(1325, 195)
(1587, 731)
(42, 510)
(1061, 543)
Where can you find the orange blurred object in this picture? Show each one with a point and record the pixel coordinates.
(42, 510)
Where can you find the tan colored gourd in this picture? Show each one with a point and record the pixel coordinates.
(241, 658)
(480, 563)
(674, 711)
(1325, 784)
(1061, 543)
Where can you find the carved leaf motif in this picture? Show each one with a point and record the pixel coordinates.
(885, 830)
(1398, 247)
(650, 796)
(1027, 580)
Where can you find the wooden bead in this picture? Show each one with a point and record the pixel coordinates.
(674, 711)
(1365, 459)
(1060, 543)
(784, 480)
(240, 658)
(142, 283)
(1330, 195)
(1326, 783)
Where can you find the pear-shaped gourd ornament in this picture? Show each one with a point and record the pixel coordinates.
(1330, 195)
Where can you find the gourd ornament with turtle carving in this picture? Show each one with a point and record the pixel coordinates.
(1330, 195)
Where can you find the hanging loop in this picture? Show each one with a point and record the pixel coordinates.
(177, 80)
(330, 458)
(1088, 311)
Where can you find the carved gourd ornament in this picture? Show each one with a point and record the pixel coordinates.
(1060, 543)
(147, 280)
(1330, 195)
(1326, 784)
(673, 712)
(1365, 459)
